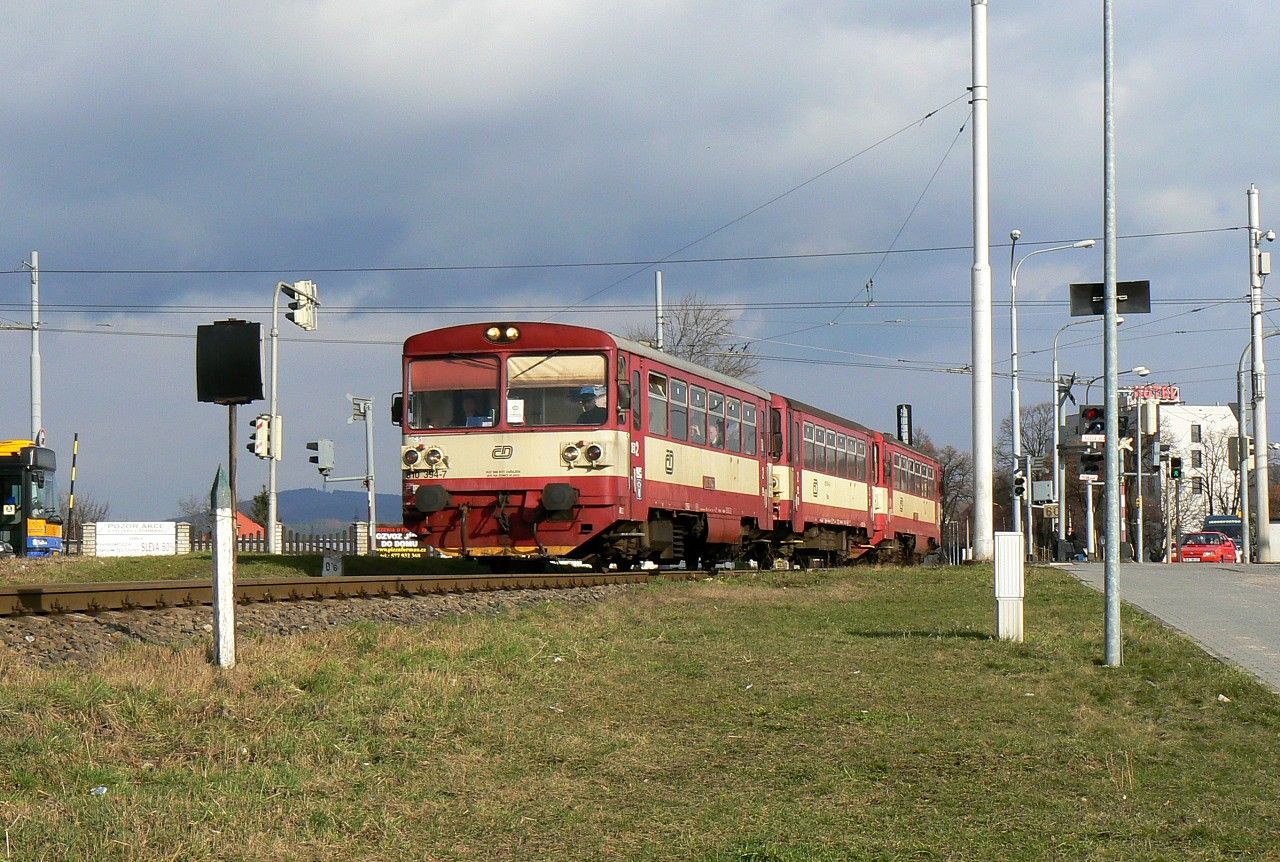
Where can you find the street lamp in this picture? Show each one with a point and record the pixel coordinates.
(1015, 420)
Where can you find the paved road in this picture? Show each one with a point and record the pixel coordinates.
(1233, 611)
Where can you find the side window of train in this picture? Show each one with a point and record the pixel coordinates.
(749, 428)
(875, 462)
(842, 456)
(831, 452)
(819, 448)
(715, 419)
(733, 425)
(697, 415)
(808, 446)
(793, 444)
(679, 409)
(657, 403)
(635, 401)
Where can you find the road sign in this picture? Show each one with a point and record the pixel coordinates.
(1051, 510)
(1132, 297)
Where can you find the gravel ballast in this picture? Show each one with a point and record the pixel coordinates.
(84, 639)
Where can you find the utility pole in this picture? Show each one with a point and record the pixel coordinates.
(1111, 351)
(37, 420)
(1261, 501)
(980, 284)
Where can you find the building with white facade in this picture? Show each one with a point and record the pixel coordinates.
(1204, 439)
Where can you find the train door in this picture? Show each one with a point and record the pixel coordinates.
(639, 395)
(880, 491)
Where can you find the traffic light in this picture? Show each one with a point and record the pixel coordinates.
(276, 437)
(1093, 423)
(323, 459)
(1019, 482)
(1175, 468)
(1091, 464)
(260, 441)
(305, 298)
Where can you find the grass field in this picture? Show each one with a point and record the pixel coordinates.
(789, 716)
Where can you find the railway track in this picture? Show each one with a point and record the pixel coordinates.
(19, 600)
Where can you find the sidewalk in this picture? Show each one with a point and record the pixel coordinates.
(1232, 611)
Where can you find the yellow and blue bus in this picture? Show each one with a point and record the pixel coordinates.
(30, 524)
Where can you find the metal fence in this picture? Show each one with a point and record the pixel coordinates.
(292, 542)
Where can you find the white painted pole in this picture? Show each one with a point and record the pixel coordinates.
(1015, 408)
(273, 545)
(980, 284)
(224, 567)
(37, 419)
(369, 478)
(658, 306)
(1261, 493)
(1141, 514)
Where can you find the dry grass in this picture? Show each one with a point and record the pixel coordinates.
(779, 717)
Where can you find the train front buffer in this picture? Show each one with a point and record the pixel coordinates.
(526, 494)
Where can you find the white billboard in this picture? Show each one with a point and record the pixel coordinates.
(137, 538)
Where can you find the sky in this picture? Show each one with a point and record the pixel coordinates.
(430, 163)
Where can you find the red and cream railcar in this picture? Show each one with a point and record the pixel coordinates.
(834, 499)
(537, 439)
(550, 440)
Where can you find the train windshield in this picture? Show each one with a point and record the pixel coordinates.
(557, 389)
(453, 392)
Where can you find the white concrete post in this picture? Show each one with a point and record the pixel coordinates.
(224, 567)
(1010, 586)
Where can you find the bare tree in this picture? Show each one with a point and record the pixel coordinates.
(1221, 480)
(701, 332)
(87, 511)
(956, 476)
(194, 509)
(1036, 426)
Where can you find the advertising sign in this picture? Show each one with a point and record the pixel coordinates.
(137, 538)
(393, 540)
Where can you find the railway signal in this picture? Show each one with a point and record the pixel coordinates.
(1093, 424)
(260, 441)
(1019, 482)
(1091, 465)
(323, 459)
(305, 298)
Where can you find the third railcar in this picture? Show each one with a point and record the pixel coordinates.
(550, 440)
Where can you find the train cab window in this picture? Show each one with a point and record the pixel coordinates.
(808, 446)
(842, 456)
(749, 429)
(733, 425)
(657, 403)
(715, 419)
(679, 410)
(697, 415)
(557, 389)
(453, 392)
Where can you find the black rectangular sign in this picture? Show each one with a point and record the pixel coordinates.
(1132, 297)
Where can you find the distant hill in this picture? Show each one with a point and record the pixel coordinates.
(313, 509)
(327, 510)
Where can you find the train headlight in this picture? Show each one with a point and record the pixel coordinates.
(503, 333)
(594, 452)
(570, 453)
(411, 457)
(433, 457)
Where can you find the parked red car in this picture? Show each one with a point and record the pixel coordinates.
(1207, 547)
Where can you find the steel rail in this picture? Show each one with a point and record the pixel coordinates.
(24, 599)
